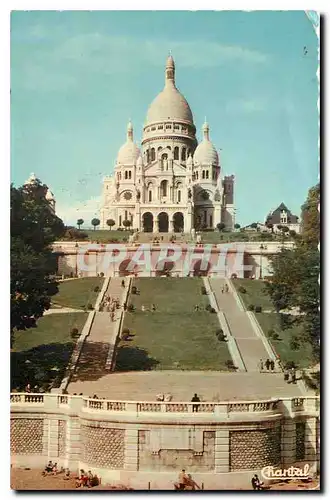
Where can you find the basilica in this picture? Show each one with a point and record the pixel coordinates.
(171, 183)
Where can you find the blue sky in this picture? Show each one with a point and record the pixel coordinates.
(77, 77)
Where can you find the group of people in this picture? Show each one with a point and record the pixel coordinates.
(87, 480)
(52, 469)
(185, 482)
(164, 397)
(256, 483)
(145, 308)
(225, 289)
(269, 365)
(290, 375)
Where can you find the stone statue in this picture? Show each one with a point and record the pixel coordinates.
(165, 164)
(138, 195)
(189, 193)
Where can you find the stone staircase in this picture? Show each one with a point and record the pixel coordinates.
(94, 355)
(149, 237)
(250, 345)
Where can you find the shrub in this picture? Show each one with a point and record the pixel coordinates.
(126, 330)
(276, 336)
(242, 289)
(90, 307)
(219, 331)
(290, 364)
(230, 364)
(97, 289)
(130, 308)
(294, 344)
(270, 332)
(101, 275)
(221, 337)
(250, 307)
(134, 290)
(204, 291)
(74, 332)
(234, 276)
(212, 310)
(258, 309)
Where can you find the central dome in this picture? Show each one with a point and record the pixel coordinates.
(170, 103)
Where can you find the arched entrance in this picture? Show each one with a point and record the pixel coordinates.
(148, 222)
(178, 222)
(163, 222)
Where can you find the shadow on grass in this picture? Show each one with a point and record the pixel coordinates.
(42, 365)
(91, 365)
(134, 359)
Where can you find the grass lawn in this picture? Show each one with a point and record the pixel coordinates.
(303, 356)
(174, 337)
(227, 237)
(104, 235)
(255, 293)
(47, 346)
(77, 293)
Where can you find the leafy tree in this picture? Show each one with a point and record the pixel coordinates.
(237, 226)
(295, 277)
(284, 229)
(80, 222)
(270, 226)
(110, 223)
(221, 226)
(95, 222)
(73, 234)
(34, 227)
(127, 223)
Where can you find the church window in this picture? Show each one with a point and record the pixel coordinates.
(148, 156)
(107, 187)
(153, 128)
(203, 174)
(120, 220)
(196, 175)
(179, 196)
(176, 127)
(131, 216)
(125, 174)
(159, 149)
(125, 214)
(129, 174)
(207, 174)
(176, 153)
(153, 154)
(160, 127)
(205, 217)
(184, 129)
(183, 154)
(163, 187)
(150, 196)
(211, 221)
(168, 126)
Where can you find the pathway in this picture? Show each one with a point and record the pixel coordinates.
(250, 345)
(62, 310)
(94, 354)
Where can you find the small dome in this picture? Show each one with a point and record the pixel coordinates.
(205, 153)
(32, 180)
(170, 103)
(129, 152)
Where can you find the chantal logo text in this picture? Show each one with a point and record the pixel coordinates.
(270, 472)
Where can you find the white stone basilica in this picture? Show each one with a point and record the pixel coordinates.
(173, 183)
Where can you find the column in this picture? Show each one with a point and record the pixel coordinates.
(156, 225)
(288, 442)
(221, 451)
(131, 449)
(73, 446)
(171, 226)
(310, 443)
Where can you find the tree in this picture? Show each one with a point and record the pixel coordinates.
(270, 226)
(95, 222)
(110, 223)
(127, 223)
(254, 225)
(73, 234)
(237, 226)
(34, 227)
(284, 229)
(295, 277)
(221, 226)
(80, 223)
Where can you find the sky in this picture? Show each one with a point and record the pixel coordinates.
(78, 77)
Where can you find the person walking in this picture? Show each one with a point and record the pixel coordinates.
(267, 364)
(261, 365)
(293, 375)
(272, 365)
(123, 283)
(286, 375)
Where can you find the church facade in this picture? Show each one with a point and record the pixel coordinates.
(171, 183)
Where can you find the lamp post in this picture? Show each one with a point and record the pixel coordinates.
(261, 249)
(76, 247)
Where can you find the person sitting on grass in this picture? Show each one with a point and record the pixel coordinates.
(55, 469)
(48, 468)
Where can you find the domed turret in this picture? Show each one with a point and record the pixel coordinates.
(205, 153)
(170, 104)
(129, 152)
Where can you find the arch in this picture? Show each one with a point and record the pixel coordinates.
(148, 222)
(163, 222)
(178, 222)
(176, 153)
(179, 196)
(183, 154)
(201, 272)
(164, 187)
